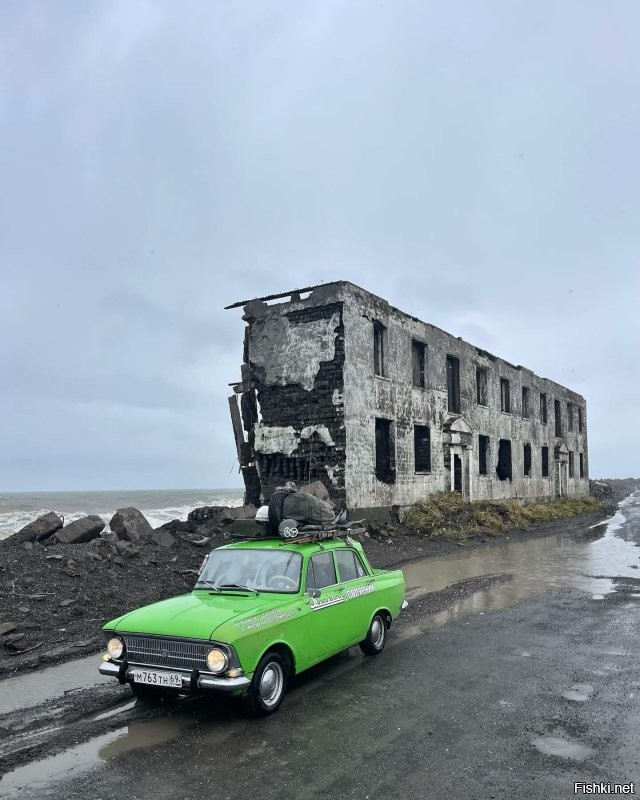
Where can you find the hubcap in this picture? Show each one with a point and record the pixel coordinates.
(271, 684)
(377, 633)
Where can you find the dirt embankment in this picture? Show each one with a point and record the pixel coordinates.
(55, 598)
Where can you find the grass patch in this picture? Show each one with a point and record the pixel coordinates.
(447, 515)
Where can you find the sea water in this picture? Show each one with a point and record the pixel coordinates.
(159, 506)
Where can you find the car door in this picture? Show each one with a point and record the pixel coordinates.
(358, 590)
(326, 627)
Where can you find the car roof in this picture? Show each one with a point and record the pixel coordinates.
(276, 543)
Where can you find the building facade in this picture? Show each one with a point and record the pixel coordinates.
(339, 386)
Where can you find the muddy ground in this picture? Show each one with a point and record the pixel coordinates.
(51, 727)
(55, 599)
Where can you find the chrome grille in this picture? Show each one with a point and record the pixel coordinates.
(166, 652)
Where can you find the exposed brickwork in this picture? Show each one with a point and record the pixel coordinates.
(294, 406)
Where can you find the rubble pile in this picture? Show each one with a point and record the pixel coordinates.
(60, 583)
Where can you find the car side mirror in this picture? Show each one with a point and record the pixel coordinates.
(314, 593)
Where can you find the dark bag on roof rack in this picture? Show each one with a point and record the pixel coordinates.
(304, 508)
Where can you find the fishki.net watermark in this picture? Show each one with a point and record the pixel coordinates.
(604, 787)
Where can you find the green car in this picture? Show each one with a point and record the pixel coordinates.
(261, 611)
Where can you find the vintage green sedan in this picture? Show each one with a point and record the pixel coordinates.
(261, 611)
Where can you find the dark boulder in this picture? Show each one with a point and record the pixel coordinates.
(242, 512)
(178, 526)
(209, 528)
(203, 513)
(229, 515)
(131, 524)
(82, 530)
(40, 528)
(221, 515)
(163, 538)
(126, 549)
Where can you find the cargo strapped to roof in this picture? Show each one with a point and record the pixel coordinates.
(302, 535)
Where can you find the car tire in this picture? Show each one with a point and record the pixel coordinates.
(376, 636)
(268, 685)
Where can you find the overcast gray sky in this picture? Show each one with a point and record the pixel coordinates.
(476, 163)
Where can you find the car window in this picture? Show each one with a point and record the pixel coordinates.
(349, 566)
(262, 570)
(322, 571)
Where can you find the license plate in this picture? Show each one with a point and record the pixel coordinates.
(171, 679)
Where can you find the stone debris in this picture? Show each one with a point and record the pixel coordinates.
(41, 528)
(203, 513)
(220, 515)
(163, 538)
(14, 641)
(81, 530)
(126, 549)
(7, 627)
(130, 524)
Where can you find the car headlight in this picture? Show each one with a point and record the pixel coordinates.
(217, 660)
(115, 647)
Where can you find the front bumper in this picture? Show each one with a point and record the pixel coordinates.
(124, 673)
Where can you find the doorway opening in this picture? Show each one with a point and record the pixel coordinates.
(457, 473)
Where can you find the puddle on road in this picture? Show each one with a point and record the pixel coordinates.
(78, 759)
(144, 734)
(25, 691)
(578, 692)
(113, 712)
(66, 764)
(562, 747)
(535, 566)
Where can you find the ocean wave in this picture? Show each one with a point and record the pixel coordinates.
(13, 521)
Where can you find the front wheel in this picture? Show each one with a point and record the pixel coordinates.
(268, 685)
(376, 637)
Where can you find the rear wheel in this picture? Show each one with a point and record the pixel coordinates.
(268, 685)
(376, 637)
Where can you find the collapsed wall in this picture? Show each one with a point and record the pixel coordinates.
(287, 411)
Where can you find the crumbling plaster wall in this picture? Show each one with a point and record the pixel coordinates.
(393, 397)
(296, 354)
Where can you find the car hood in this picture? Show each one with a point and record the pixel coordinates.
(191, 616)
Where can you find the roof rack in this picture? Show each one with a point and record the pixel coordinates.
(303, 535)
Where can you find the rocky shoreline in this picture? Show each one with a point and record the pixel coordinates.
(60, 584)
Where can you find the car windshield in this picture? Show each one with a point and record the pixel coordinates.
(258, 570)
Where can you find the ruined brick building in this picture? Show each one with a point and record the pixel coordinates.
(339, 386)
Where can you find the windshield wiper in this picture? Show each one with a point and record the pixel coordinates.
(237, 586)
(208, 583)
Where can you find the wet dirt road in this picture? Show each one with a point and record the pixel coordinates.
(525, 682)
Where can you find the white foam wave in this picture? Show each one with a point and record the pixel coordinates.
(13, 521)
